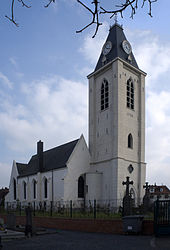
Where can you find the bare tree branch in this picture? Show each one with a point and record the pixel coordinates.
(12, 11)
(23, 4)
(12, 14)
(50, 1)
(133, 4)
(127, 4)
(150, 6)
(95, 17)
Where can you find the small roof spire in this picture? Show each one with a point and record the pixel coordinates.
(115, 18)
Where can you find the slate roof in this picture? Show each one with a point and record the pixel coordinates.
(116, 36)
(54, 158)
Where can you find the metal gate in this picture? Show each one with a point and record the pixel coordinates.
(162, 217)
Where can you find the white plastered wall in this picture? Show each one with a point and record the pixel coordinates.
(109, 151)
(77, 165)
(14, 174)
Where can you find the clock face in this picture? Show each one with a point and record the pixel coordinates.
(107, 48)
(126, 47)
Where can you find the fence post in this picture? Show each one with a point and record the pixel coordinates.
(71, 209)
(0, 243)
(51, 208)
(94, 209)
(20, 208)
(34, 208)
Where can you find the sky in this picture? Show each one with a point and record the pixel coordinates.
(43, 83)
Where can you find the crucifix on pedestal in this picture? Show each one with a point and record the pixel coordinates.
(146, 187)
(146, 198)
(127, 183)
(127, 201)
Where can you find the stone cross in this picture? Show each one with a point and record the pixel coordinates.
(127, 183)
(146, 199)
(146, 187)
(127, 201)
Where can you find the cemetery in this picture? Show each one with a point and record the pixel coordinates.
(97, 216)
(18, 222)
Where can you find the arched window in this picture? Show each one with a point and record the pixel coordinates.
(15, 189)
(81, 187)
(25, 190)
(104, 95)
(130, 141)
(130, 94)
(45, 188)
(34, 189)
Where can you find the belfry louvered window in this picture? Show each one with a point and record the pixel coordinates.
(130, 94)
(104, 95)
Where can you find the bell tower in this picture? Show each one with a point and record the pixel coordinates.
(117, 118)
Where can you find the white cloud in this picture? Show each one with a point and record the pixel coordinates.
(91, 48)
(55, 110)
(13, 61)
(151, 53)
(4, 79)
(158, 137)
(5, 174)
(15, 64)
(152, 56)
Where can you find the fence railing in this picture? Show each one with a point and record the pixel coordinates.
(104, 209)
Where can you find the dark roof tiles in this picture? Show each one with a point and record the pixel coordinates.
(54, 158)
(116, 36)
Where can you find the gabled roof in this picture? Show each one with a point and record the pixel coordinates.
(54, 158)
(21, 168)
(158, 190)
(116, 36)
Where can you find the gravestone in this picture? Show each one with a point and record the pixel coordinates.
(11, 221)
(2, 224)
(127, 200)
(28, 224)
(40, 205)
(146, 198)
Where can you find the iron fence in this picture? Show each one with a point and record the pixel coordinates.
(103, 209)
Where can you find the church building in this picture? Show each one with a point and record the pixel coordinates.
(116, 148)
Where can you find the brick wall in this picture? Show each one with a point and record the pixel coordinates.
(84, 225)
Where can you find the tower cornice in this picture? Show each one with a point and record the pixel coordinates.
(108, 65)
